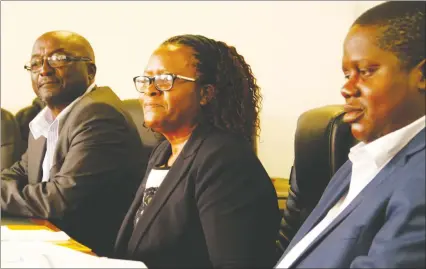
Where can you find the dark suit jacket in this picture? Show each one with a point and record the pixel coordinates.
(216, 207)
(96, 169)
(383, 227)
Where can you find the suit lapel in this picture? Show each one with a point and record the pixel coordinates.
(125, 231)
(336, 189)
(371, 190)
(175, 175)
(336, 192)
(36, 151)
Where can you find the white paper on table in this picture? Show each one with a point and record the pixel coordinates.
(32, 235)
(48, 255)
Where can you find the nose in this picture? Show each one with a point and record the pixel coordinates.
(350, 88)
(46, 69)
(152, 90)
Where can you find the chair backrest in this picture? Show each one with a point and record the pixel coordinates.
(11, 147)
(322, 143)
(321, 146)
(149, 138)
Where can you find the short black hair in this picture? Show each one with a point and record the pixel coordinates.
(402, 25)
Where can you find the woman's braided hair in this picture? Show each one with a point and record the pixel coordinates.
(236, 101)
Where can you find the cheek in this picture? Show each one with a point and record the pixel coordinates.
(141, 99)
(34, 81)
(381, 102)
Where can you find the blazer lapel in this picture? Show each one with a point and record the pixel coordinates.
(337, 188)
(125, 231)
(172, 179)
(36, 151)
(371, 190)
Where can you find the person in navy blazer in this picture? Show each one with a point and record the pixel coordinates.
(206, 201)
(372, 213)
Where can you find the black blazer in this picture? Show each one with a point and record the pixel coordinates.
(216, 207)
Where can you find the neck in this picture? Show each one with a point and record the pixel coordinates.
(178, 139)
(57, 109)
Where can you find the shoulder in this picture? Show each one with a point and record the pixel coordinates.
(409, 186)
(101, 103)
(6, 115)
(100, 96)
(218, 141)
(223, 150)
(412, 178)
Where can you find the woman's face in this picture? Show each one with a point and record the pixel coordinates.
(175, 109)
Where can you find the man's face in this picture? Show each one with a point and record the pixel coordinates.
(380, 93)
(60, 85)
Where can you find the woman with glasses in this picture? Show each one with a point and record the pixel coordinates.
(206, 200)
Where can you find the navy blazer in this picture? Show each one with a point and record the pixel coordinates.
(383, 227)
(216, 207)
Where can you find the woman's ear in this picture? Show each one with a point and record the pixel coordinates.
(207, 94)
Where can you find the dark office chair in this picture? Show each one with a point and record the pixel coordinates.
(11, 147)
(149, 138)
(321, 147)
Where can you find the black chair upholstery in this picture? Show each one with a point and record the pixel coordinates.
(321, 146)
(11, 147)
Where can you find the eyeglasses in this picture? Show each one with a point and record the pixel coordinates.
(55, 60)
(163, 82)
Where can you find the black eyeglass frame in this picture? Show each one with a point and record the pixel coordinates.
(68, 60)
(152, 79)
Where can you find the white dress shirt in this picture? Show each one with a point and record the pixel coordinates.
(44, 125)
(368, 159)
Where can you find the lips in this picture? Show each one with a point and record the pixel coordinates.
(47, 82)
(353, 113)
(151, 106)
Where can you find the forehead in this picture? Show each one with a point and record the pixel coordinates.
(361, 44)
(48, 44)
(173, 59)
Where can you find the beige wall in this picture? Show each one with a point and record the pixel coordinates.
(294, 49)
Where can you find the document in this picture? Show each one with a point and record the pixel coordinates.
(48, 255)
(32, 235)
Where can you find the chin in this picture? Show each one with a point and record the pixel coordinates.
(359, 132)
(151, 124)
(47, 98)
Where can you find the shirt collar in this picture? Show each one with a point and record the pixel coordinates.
(41, 124)
(386, 147)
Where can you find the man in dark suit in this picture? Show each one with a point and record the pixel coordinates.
(84, 158)
(372, 213)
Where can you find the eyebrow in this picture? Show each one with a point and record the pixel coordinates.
(57, 50)
(158, 72)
